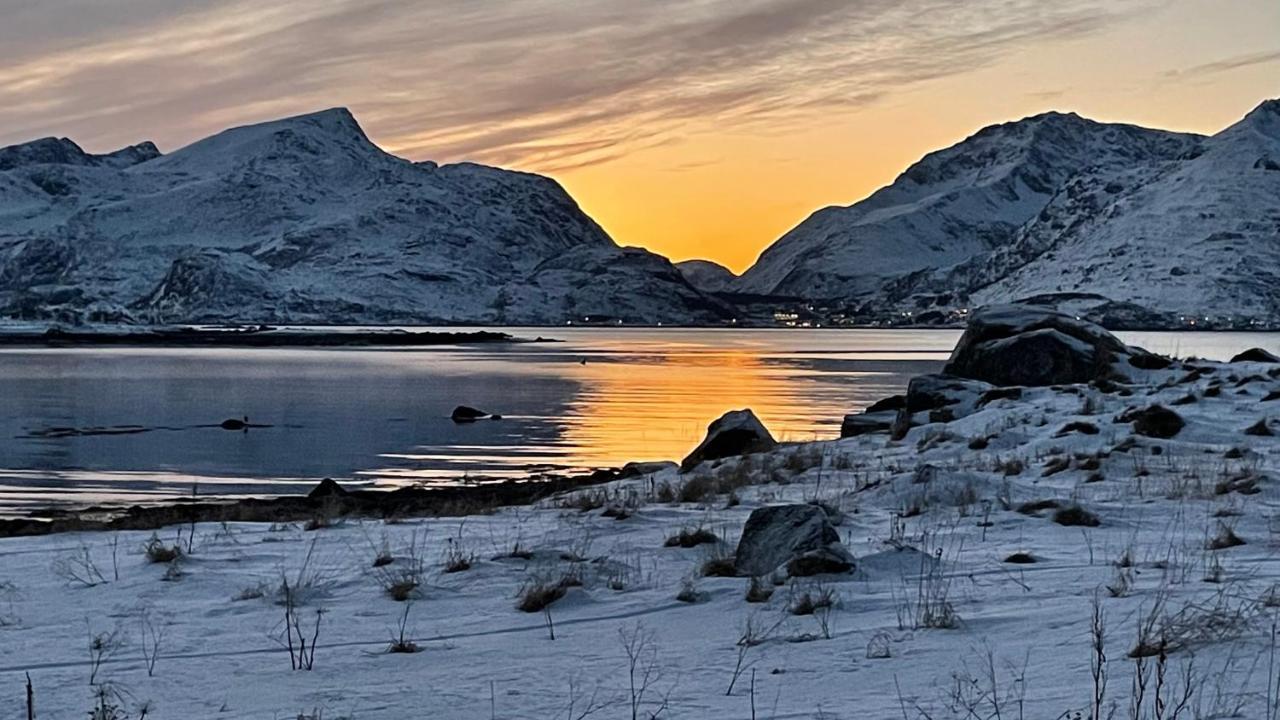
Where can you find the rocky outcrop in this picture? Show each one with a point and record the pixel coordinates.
(797, 538)
(1026, 345)
(737, 432)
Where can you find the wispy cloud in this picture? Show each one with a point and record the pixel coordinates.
(539, 84)
(1228, 64)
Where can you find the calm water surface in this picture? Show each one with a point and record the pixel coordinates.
(381, 417)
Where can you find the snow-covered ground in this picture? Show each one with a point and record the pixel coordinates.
(935, 622)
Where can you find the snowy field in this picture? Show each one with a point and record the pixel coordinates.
(938, 621)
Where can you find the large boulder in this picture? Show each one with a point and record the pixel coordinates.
(797, 538)
(737, 432)
(1027, 345)
(1256, 355)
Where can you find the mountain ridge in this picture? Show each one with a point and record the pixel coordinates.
(304, 219)
(1072, 208)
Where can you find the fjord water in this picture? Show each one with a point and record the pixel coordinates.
(381, 417)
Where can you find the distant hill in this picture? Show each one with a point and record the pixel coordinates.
(707, 276)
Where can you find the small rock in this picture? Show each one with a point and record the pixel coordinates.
(1156, 421)
(466, 414)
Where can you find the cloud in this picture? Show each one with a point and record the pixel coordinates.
(538, 84)
(1221, 66)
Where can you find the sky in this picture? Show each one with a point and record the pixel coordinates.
(697, 129)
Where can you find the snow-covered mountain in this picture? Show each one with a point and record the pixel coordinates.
(968, 199)
(707, 276)
(1118, 218)
(306, 220)
(1198, 236)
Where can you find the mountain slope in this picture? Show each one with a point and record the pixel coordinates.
(305, 220)
(707, 276)
(953, 204)
(1166, 242)
(1200, 236)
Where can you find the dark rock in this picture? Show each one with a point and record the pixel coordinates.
(234, 424)
(636, 469)
(893, 402)
(1259, 429)
(942, 415)
(1023, 345)
(1004, 393)
(466, 414)
(902, 424)
(1256, 355)
(867, 423)
(328, 488)
(930, 392)
(1156, 421)
(1144, 360)
(800, 538)
(1078, 426)
(737, 432)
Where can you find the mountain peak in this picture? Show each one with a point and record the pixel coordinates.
(322, 136)
(44, 151)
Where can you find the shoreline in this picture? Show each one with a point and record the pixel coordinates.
(328, 502)
(248, 337)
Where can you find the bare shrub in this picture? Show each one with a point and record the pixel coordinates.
(538, 595)
(691, 537)
(402, 578)
(400, 643)
(456, 559)
(77, 567)
(758, 591)
(1226, 537)
(158, 553)
(1221, 618)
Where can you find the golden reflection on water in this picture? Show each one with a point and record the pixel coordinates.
(657, 407)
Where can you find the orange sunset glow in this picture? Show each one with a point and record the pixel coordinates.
(705, 133)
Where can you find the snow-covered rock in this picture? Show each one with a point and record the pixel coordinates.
(305, 220)
(1026, 345)
(799, 538)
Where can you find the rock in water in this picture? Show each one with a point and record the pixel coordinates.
(466, 414)
(737, 432)
(1026, 345)
(1256, 355)
(234, 424)
(800, 538)
(1157, 421)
